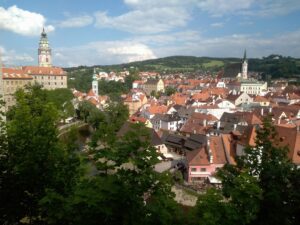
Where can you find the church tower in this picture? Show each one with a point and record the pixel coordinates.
(245, 67)
(95, 83)
(44, 52)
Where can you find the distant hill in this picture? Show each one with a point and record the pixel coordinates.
(170, 64)
(275, 66)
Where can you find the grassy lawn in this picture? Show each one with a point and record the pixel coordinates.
(213, 63)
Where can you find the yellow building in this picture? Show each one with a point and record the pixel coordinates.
(12, 80)
(153, 85)
(134, 102)
(48, 77)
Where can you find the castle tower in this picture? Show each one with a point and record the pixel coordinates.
(44, 52)
(245, 66)
(95, 83)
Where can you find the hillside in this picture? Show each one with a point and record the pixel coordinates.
(273, 66)
(170, 64)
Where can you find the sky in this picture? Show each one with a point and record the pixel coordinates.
(104, 32)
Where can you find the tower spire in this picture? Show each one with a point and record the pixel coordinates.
(245, 55)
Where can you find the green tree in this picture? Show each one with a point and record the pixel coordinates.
(260, 189)
(170, 90)
(276, 175)
(117, 114)
(36, 160)
(134, 75)
(85, 108)
(130, 193)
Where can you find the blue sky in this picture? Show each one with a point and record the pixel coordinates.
(101, 32)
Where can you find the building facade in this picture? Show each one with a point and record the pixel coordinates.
(12, 80)
(154, 86)
(49, 77)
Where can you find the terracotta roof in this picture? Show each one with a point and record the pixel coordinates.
(290, 136)
(195, 124)
(93, 101)
(78, 93)
(237, 117)
(217, 149)
(137, 119)
(91, 93)
(229, 148)
(289, 110)
(15, 74)
(232, 97)
(197, 157)
(248, 136)
(50, 71)
(202, 116)
(201, 96)
(217, 91)
(260, 99)
(179, 99)
(155, 109)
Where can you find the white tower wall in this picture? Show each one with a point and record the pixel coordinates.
(44, 51)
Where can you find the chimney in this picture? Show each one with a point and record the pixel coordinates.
(262, 112)
(270, 110)
(234, 127)
(279, 120)
(204, 123)
(298, 128)
(218, 125)
(211, 158)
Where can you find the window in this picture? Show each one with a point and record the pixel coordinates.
(203, 169)
(193, 169)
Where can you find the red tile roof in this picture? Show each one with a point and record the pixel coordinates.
(197, 157)
(49, 71)
(15, 74)
(155, 109)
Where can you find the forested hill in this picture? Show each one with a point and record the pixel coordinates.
(275, 65)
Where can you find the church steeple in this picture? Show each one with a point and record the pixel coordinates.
(95, 83)
(245, 56)
(245, 66)
(44, 51)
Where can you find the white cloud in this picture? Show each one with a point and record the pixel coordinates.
(262, 8)
(152, 20)
(233, 46)
(79, 21)
(222, 7)
(22, 22)
(271, 8)
(11, 57)
(217, 25)
(103, 53)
